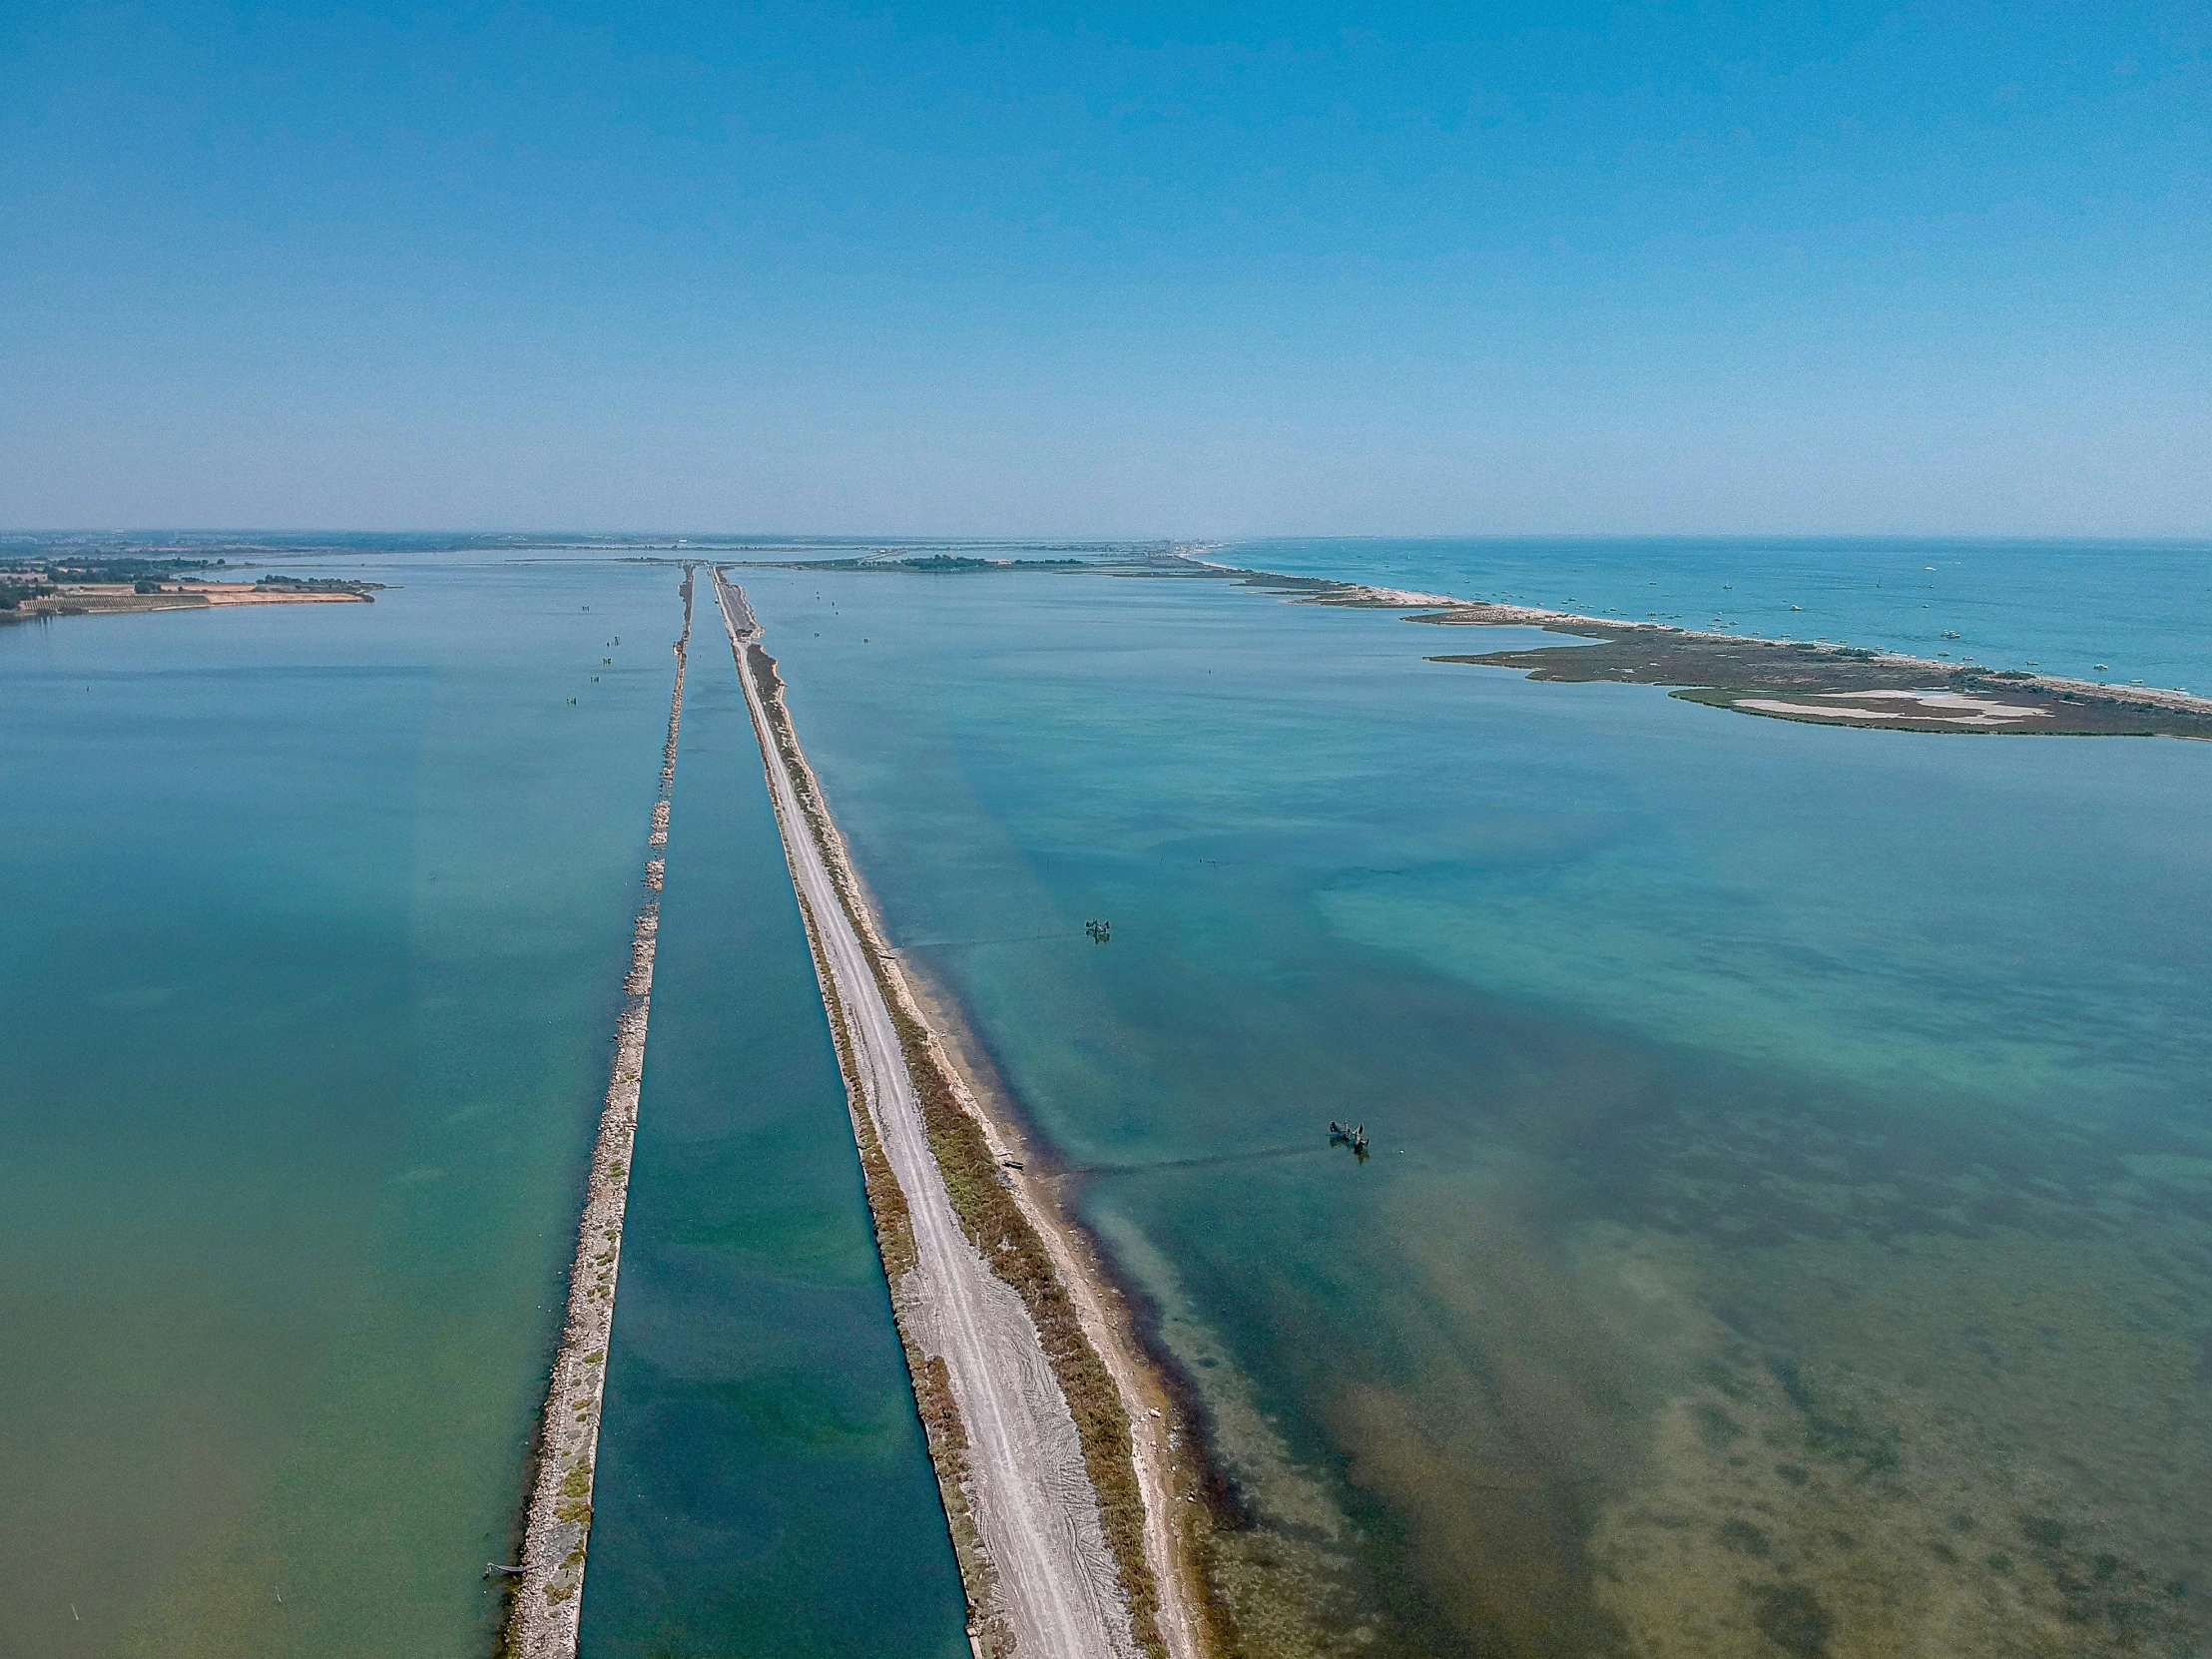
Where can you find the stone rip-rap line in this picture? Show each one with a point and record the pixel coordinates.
(547, 1604)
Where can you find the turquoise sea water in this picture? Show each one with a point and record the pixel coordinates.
(2144, 610)
(763, 1486)
(1790, 1227)
(1789, 1224)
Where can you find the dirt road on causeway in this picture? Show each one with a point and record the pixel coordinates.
(1054, 1582)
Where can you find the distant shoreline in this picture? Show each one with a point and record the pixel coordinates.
(1769, 678)
(124, 598)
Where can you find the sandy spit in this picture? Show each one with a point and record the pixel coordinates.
(1460, 612)
(1477, 613)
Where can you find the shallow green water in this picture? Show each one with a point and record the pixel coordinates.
(1790, 1227)
(315, 927)
(763, 1486)
(316, 923)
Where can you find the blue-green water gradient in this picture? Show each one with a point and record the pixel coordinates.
(762, 1485)
(313, 938)
(1790, 1223)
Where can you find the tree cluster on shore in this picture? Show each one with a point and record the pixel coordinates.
(14, 589)
(119, 567)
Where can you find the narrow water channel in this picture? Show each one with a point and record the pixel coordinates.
(763, 1485)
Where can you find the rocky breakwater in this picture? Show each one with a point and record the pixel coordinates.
(544, 1614)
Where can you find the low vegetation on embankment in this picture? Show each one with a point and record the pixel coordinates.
(993, 1220)
(931, 1379)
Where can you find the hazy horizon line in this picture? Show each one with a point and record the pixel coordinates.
(2177, 537)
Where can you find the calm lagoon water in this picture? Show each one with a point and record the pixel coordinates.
(1790, 1227)
(313, 928)
(316, 923)
(763, 1486)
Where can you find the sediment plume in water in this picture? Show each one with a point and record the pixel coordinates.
(547, 1596)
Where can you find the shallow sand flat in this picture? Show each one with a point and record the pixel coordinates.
(1985, 714)
(1768, 705)
(1940, 1471)
(250, 596)
(1939, 699)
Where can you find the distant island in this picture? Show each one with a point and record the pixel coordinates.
(1830, 684)
(1813, 683)
(109, 585)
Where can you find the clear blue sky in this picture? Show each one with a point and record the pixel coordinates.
(1175, 270)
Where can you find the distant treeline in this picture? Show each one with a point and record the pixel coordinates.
(107, 567)
(14, 590)
(315, 584)
(39, 578)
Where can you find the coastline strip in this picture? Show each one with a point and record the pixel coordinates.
(1060, 1522)
(1730, 670)
(546, 1608)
